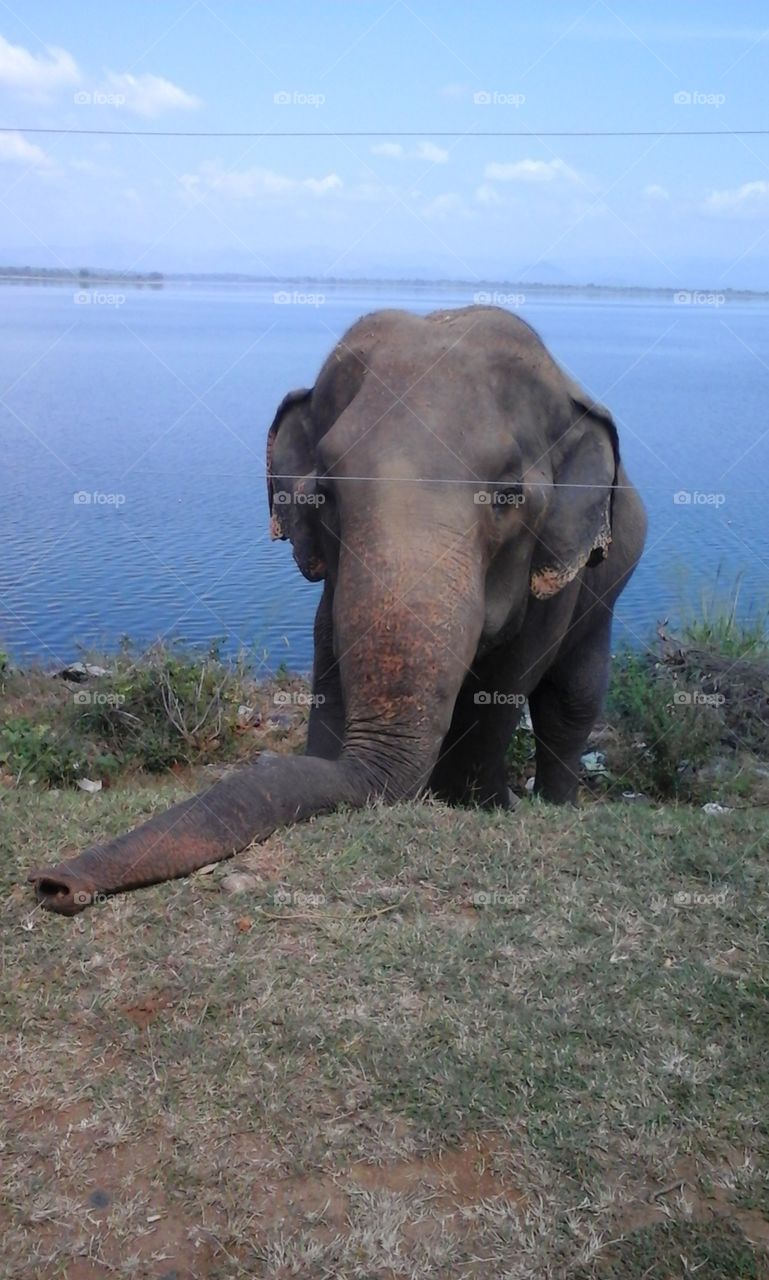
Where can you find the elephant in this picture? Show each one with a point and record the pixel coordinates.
(464, 504)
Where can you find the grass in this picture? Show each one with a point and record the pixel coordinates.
(423, 1042)
(538, 1039)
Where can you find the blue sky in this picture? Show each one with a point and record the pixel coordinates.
(672, 212)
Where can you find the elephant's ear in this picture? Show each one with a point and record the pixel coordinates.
(293, 416)
(577, 529)
(291, 476)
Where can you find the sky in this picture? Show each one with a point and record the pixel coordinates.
(686, 212)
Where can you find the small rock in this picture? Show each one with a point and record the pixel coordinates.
(77, 672)
(281, 720)
(244, 924)
(89, 785)
(238, 882)
(712, 808)
(247, 715)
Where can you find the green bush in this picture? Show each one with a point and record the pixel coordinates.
(664, 734)
(38, 752)
(168, 707)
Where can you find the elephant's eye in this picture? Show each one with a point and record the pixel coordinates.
(507, 496)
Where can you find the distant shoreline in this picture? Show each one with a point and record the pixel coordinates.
(85, 278)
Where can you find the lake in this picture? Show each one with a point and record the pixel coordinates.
(154, 403)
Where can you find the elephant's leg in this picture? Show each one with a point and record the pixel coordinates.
(325, 732)
(564, 708)
(471, 768)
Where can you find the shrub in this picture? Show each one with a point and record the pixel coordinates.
(664, 733)
(169, 707)
(35, 751)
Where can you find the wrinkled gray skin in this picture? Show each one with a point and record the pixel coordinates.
(466, 507)
(474, 526)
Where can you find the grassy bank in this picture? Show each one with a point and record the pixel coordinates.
(418, 1039)
(687, 718)
(405, 1042)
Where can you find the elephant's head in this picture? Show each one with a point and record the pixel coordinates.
(511, 471)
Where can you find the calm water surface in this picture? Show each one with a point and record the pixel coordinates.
(164, 401)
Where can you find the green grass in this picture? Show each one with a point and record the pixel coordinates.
(539, 1039)
(718, 623)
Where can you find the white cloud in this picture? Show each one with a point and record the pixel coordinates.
(252, 184)
(319, 186)
(531, 171)
(443, 206)
(655, 192)
(749, 200)
(36, 74)
(429, 151)
(487, 195)
(422, 151)
(14, 149)
(148, 95)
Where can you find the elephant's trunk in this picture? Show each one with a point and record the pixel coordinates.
(245, 805)
(402, 663)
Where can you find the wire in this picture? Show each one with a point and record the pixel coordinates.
(394, 133)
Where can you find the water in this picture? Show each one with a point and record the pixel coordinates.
(162, 404)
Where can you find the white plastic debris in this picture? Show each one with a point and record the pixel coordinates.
(712, 808)
(89, 785)
(594, 762)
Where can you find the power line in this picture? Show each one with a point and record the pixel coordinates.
(396, 133)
